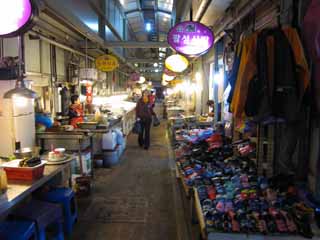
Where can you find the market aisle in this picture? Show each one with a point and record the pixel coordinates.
(134, 200)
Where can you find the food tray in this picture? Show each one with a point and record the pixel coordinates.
(14, 172)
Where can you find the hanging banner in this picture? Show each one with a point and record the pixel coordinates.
(191, 38)
(107, 63)
(15, 17)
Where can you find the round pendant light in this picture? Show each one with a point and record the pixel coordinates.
(177, 63)
(166, 77)
(142, 79)
(15, 17)
(164, 83)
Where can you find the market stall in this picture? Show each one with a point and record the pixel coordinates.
(17, 191)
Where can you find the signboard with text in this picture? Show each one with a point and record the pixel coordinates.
(191, 38)
(107, 63)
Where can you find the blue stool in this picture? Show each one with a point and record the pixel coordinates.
(65, 197)
(45, 215)
(18, 230)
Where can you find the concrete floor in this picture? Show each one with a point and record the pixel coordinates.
(138, 200)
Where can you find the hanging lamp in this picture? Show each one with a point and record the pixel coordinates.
(20, 89)
(18, 19)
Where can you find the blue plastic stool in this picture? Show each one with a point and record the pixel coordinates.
(65, 197)
(18, 230)
(45, 215)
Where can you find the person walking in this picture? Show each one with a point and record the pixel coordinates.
(144, 113)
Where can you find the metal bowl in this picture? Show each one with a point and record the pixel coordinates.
(23, 153)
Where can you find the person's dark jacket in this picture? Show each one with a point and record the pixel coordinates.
(144, 110)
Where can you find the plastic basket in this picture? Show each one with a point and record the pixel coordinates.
(23, 173)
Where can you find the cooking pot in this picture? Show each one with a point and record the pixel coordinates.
(23, 153)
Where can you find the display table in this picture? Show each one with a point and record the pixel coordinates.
(78, 141)
(212, 235)
(19, 190)
(187, 190)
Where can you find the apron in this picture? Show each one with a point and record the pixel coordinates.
(75, 120)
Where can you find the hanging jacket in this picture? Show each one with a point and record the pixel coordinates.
(234, 72)
(259, 94)
(248, 71)
(311, 33)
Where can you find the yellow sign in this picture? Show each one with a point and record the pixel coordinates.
(107, 63)
(176, 81)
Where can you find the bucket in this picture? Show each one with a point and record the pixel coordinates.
(111, 157)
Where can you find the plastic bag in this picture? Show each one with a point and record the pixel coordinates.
(156, 121)
(137, 128)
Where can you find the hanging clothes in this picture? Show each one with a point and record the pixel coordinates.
(247, 71)
(311, 33)
(235, 69)
(292, 78)
(273, 75)
(258, 102)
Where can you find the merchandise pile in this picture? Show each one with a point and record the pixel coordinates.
(233, 197)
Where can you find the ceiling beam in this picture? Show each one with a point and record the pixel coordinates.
(150, 69)
(202, 10)
(143, 32)
(133, 44)
(147, 9)
(101, 14)
(142, 60)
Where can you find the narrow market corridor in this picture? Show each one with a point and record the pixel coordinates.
(133, 200)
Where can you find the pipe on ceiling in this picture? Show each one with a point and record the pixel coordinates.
(60, 45)
(141, 60)
(83, 30)
(202, 10)
(134, 44)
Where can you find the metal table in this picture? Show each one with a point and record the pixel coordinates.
(19, 190)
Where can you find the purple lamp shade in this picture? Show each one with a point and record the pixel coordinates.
(14, 14)
(191, 38)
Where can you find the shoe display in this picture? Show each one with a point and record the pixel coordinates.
(234, 199)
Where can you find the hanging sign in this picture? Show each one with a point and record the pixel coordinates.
(107, 63)
(190, 38)
(176, 63)
(176, 81)
(134, 76)
(15, 16)
(89, 93)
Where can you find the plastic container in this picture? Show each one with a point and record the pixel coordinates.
(120, 137)
(86, 163)
(14, 172)
(111, 157)
(109, 141)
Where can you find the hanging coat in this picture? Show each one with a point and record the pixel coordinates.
(311, 33)
(248, 71)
